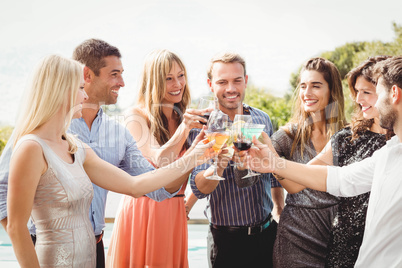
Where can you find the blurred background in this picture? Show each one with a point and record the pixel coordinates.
(274, 37)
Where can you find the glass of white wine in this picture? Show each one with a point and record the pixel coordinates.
(217, 131)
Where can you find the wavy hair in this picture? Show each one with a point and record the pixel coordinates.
(334, 111)
(54, 86)
(359, 124)
(153, 90)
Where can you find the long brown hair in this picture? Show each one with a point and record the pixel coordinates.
(153, 89)
(334, 112)
(358, 123)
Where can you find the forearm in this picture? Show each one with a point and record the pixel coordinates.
(100, 171)
(191, 200)
(4, 223)
(278, 198)
(22, 244)
(169, 152)
(290, 186)
(204, 185)
(173, 174)
(311, 176)
(175, 186)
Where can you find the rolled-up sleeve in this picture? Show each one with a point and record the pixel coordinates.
(351, 180)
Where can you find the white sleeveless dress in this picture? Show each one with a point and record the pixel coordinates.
(64, 234)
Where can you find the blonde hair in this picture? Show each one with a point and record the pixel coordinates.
(153, 89)
(54, 86)
(334, 112)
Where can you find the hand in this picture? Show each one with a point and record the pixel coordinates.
(187, 209)
(266, 140)
(201, 148)
(240, 158)
(261, 157)
(200, 137)
(223, 159)
(192, 118)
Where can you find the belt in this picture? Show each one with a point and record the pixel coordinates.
(98, 238)
(178, 195)
(249, 230)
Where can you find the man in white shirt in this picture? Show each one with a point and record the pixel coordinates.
(381, 174)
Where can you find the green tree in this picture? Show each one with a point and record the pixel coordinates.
(279, 109)
(347, 56)
(5, 133)
(343, 56)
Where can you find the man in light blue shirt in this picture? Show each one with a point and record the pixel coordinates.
(107, 137)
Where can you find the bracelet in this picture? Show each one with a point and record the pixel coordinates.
(277, 177)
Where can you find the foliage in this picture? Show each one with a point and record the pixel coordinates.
(342, 56)
(347, 56)
(5, 133)
(278, 109)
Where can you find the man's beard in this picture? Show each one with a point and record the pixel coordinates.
(388, 118)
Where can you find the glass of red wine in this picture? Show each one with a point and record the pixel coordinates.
(243, 131)
(206, 102)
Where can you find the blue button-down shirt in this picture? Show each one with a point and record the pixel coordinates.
(112, 142)
(230, 205)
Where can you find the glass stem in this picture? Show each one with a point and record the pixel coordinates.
(216, 166)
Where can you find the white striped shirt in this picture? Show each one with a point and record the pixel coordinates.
(229, 205)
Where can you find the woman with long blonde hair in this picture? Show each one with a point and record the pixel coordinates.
(305, 223)
(149, 233)
(51, 173)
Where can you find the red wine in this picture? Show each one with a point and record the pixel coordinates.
(206, 116)
(242, 146)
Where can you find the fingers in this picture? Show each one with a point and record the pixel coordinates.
(255, 141)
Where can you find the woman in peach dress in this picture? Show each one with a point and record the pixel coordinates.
(148, 233)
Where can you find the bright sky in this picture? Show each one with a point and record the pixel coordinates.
(274, 37)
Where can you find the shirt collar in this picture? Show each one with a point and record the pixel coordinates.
(246, 109)
(394, 141)
(99, 113)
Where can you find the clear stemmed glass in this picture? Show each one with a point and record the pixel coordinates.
(204, 103)
(217, 130)
(243, 132)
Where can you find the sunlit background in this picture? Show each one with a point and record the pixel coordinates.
(274, 37)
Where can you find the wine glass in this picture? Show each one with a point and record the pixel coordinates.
(217, 130)
(244, 130)
(204, 103)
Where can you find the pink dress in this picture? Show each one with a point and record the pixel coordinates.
(151, 234)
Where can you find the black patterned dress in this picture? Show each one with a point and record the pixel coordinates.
(348, 226)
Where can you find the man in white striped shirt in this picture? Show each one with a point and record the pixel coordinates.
(242, 230)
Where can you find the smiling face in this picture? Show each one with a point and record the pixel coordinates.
(175, 84)
(366, 97)
(314, 91)
(104, 89)
(229, 84)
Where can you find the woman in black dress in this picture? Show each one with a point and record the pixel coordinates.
(305, 222)
(352, 144)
